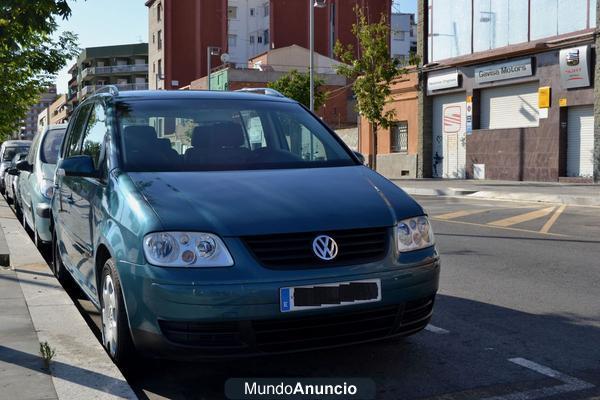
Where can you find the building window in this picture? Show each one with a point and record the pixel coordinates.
(266, 9)
(232, 40)
(499, 23)
(159, 44)
(232, 12)
(399, 139)
(552, 17)
(399, 35)
(252, 39)
(266, 36)
(259, 39)
(160, 69)
(252, 11)
(159, 12)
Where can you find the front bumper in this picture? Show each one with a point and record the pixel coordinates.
(188, 321)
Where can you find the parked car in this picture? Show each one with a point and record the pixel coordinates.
(36, 182)
(204, 224)
(8, 151)
(11, 178)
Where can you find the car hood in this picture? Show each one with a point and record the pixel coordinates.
(239, 203)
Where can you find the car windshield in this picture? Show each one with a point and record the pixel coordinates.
(219, 135)
(51, 146)
(11, 152)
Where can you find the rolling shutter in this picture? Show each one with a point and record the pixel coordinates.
(580, 145)
(506, 107)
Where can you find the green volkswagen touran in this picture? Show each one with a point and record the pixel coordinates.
(207, 224)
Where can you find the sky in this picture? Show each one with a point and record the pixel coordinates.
(112, 22)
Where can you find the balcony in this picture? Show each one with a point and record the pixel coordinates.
(115, 69)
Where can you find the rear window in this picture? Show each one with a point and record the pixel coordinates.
(11, 152)
(218, 135)
(51, 146)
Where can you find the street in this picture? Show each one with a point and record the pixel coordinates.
(516, 306)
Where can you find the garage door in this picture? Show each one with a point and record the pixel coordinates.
(513, 106)
(449, 136)
(580, 145)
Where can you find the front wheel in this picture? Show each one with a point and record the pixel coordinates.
(115, 327)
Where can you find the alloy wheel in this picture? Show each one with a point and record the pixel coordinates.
(109, 316)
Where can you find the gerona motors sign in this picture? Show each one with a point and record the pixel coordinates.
(507, 70)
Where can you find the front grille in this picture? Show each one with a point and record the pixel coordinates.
(293, 333)
(286, 251)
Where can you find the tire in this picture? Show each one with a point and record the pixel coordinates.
(116, 337)
(58, 268)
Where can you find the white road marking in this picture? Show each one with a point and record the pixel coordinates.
(570, 384)
(435, 329)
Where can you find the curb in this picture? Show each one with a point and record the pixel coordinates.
(81, 369)
(491, 195)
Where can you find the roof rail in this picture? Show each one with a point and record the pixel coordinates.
(112, 89)
(265, 91)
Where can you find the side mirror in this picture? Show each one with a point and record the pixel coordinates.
(13, 171)
(24, 165)
(360, 157)
(81, 166)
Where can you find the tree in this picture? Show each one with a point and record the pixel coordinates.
(296, 85)
(372, 72)
(29, 56)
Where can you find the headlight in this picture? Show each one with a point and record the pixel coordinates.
(47, 189)
(186, 249)
(414, 234)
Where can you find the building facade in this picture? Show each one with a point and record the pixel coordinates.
(180, 33)
(338, 111)
(124, 66)
(182, 30)
(248, 34)
(404, 36)
(397, 147)
(508, 90)
(29, 126)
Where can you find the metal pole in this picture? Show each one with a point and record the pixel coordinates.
(208, 52)
(312, 54)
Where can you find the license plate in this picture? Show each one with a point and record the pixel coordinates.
(329, 295)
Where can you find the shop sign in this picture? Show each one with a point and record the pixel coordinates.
(575, 67)
(469, 115)
(508, 70)
(442, 80)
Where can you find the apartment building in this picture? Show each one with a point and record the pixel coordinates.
(509, 91)
(29, 125)
(125, 66)
(182, 31)
(403, 41)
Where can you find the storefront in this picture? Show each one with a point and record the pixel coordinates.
(524, 118)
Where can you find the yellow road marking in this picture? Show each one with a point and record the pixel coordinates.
(546, 228)
(458, 214)
(518, 219)
(498, 227)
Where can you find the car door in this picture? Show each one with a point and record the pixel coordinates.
(87, 193)
(66, 215)
(27, 182)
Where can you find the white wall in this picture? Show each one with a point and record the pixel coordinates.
(247, 28)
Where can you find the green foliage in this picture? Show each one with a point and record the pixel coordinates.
(29, 56)
(47, 353)
(373, 71)
(296, 85)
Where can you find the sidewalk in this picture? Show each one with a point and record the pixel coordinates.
(547, 192)
(34, 308)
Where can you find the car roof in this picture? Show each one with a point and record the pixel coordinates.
(196, 94)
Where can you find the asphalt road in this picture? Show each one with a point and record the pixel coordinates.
(517, 317)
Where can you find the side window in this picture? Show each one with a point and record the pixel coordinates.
(93, 139)
(32, 156)
(76, 131)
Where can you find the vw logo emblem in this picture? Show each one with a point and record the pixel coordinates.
(325, 247)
